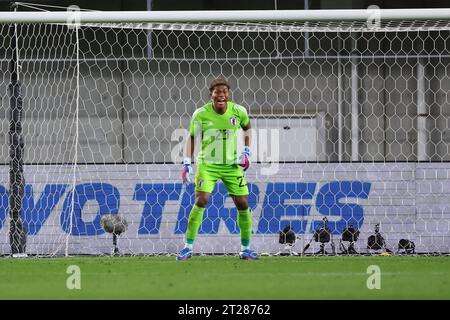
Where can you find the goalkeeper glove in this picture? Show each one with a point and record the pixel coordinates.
(244, 159)
(187, 170)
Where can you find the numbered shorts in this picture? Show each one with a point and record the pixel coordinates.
(232, 177)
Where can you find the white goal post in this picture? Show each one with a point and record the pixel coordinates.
(349, 112)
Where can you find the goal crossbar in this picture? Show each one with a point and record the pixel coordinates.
(223, 16)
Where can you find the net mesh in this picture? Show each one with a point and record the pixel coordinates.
(350, 122)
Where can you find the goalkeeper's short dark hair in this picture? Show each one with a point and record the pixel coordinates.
(218, 82)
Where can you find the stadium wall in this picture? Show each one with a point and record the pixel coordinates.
(409, 200)
(129, 111)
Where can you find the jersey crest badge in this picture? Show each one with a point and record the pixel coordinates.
(233, 121)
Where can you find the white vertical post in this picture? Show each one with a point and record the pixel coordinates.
(422, 154)
(149, 34)
(340, 102)
(340, 114)
(75, 161)
(17, 49)
(277, 45)
(355, 105)
(306, 7)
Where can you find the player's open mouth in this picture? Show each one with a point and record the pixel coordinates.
(221, 102)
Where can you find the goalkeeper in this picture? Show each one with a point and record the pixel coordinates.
(217, 124)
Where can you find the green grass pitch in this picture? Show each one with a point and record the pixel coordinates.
(226, 277)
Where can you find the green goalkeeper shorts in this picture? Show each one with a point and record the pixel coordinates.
(232, 177)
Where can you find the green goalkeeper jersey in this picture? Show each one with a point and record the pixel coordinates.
(218, 133)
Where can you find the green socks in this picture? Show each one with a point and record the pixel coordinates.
(244, 221)
(194, 222)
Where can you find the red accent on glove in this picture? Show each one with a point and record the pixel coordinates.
(245, 162)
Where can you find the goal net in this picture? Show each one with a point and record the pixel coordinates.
(349, 118)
